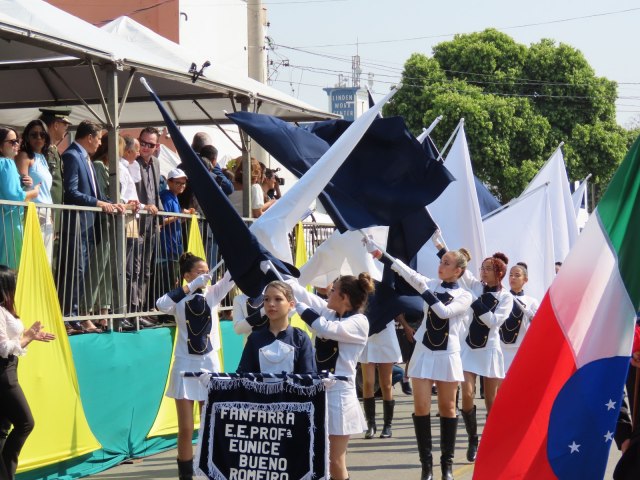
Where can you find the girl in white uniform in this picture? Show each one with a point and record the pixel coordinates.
(524, 308)
(341, 333)
(436, 357)
(382, 350)
(481, 353)
(195, 308)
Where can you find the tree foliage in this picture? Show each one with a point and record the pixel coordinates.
(518, 103)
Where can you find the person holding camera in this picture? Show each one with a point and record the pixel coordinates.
(271, 184)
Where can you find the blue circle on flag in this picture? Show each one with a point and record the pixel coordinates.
(583, 419)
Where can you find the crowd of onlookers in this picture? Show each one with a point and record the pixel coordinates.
(80, 243)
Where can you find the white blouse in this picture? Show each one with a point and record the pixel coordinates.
(11, 329)
(351, 332)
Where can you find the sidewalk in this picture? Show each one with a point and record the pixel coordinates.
(376, 459)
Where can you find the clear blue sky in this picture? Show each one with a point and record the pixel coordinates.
(609, 42)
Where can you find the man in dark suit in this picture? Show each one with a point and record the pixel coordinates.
(80, 188)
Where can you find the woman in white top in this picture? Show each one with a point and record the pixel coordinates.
(195, 308)
(524, 308)
(481, 352)
(436, 358)
(341, 333)
(14, 409)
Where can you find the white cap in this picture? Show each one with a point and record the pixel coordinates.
(176, 173)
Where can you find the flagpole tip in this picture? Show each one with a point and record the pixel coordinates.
(143, 81)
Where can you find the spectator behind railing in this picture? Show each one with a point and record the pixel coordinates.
(32, 162)
(10, 189)
(57, 122)
(171, 245)
(236, 197)
(78, 236)
(149, 194)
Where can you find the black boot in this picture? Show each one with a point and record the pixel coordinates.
(422, 425)
(185, 469)
(471, 425)
(387, 408)
(370, 415)
(448, 430)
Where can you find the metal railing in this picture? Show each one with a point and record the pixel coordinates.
(112, 266)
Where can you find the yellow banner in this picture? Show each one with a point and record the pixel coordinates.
(47, 373)
(301, 259)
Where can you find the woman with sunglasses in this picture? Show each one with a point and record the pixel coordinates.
(481, 352)
(10, 189)
(31, 161)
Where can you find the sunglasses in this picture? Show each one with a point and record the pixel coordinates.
(146, 144)
(37, 135)
(13, 142)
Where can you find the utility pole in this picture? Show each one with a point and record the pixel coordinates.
(257, 56)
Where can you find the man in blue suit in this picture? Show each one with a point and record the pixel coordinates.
(78, 236)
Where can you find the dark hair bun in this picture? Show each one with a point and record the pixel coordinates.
(501, 256)
(522, 264)
(366, 282)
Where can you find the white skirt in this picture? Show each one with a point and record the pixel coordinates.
(487, 362)
(382, 347)
(441, 366)
(344, 411)
(509, 353)
(190, 388)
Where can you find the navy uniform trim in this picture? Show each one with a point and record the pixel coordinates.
(257, 320)
(309, 316)
(429, 297)
(510, 329)
(436, 335)
(478, 331)
(197, 314)
(176, 294)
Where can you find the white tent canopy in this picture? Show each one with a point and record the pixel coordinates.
(50, 57)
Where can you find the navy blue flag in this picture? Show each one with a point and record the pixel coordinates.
(386, 178)
(488, 203)
(240, 249)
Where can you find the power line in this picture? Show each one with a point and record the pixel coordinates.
(427, 37)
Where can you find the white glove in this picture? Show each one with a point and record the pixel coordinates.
(329, 382)
(410, 276)
(371, 246)
(301, 307)
(438, 239)
(200, 281)
(265, 266)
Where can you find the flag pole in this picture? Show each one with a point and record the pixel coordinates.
(453, 135)
(427, 131)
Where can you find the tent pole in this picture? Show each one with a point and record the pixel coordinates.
(93, 112)
(118, 251)
(217, 124)
(99, 87)
(127, 87)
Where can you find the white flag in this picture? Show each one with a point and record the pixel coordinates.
(523, 231)
(456, 211)
(563, 216)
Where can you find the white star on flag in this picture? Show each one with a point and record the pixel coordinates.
(574, 447)
(610, 405)
(608, 437)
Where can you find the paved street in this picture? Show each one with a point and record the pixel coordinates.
(376, 459)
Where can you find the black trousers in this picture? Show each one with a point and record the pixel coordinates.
(14, 410)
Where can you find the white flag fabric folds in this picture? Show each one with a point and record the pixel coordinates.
(523, 231)
(456, 211)
(563, 215)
